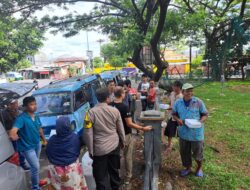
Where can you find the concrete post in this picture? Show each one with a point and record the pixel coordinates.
(152, 148)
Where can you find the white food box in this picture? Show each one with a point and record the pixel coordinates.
(193, 123)
(164, 106)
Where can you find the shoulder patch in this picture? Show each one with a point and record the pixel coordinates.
(87, 123)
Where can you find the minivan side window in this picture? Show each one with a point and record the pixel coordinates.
(96, 85)
(80, 99)
(101, 82)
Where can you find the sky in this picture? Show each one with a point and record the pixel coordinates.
(56, 45)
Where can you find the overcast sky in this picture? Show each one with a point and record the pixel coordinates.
(57, 45)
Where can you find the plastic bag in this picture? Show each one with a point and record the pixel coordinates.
(88, 171)
(87, 164)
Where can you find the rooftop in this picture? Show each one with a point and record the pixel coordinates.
(69, 59)
(67, 85)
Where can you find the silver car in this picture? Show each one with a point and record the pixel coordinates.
(12, 177)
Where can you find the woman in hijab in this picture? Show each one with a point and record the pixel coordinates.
(63, 150)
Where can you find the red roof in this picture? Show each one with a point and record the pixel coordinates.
(70, 59)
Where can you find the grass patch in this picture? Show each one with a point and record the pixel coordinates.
(227, 142)
(228, 131)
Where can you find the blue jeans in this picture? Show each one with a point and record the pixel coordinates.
(32, 157)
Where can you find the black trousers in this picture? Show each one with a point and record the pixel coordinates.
(106, 170)
(187, 148)
(151, 105)
(144, 104)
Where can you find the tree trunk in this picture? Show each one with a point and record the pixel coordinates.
(213, 57)
(242, 72)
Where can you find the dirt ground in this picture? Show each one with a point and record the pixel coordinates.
(169, 171)
(242, 88)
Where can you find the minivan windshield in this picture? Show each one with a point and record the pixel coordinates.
(53, 103)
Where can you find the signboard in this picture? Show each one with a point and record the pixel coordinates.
(90, 54)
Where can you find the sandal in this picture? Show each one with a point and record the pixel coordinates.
(185, 172)
(199, 174)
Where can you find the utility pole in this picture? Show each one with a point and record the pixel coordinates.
(190, 57)
(190, 40)
(89, 52)
(87, 40)
(100, 42)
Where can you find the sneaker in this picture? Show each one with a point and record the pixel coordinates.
(26, 168)
(127, 181)
(42, 182)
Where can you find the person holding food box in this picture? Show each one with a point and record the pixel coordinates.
(190, 113)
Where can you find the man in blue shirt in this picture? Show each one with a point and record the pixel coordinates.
(27, 132)
(191, 139)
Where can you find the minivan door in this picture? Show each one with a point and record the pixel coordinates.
(81, 106)
(6, 147)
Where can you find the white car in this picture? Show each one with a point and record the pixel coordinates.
(12, 177)
(14, 76)
(3, 79)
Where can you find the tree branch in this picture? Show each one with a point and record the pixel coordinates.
(156, 37)
(217, 3)
(243, 7)
(226, 8)
(176, 6)
(155, 6)
(49, 2)
(206, 5)
(143, 8)
(191, 10)
(140, 19)
(86, 18)
(136, 8)
(147, 18)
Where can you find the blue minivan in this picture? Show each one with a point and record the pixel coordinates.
(72, 97)
(114, 75)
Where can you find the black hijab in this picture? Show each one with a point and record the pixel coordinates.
(63, 148)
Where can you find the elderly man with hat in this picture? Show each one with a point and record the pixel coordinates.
(191, 139)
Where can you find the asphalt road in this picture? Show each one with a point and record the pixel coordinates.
(41, 82)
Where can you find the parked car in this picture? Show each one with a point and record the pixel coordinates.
(111, 75)
(14, 76)
(18, 91)
(72, 97)
(3, 79)
(12, 177)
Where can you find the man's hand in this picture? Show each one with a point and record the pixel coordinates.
(13, 134)
(147, 128)
(180, 122)
(45, 143)
(14, 137)
(122, 146)
(203, 118)
(91, 156)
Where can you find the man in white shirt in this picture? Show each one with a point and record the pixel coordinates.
(143, 89)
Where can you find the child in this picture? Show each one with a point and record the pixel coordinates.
(171, 128)
(151, 95)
